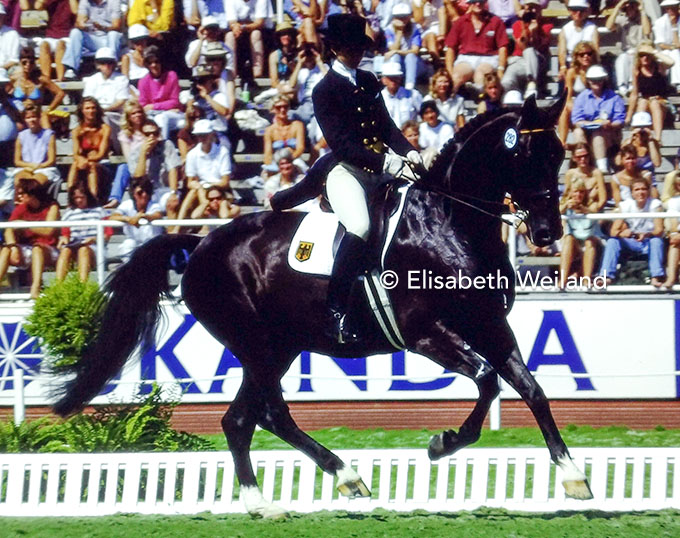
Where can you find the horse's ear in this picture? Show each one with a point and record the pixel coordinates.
(529, 114)
(555, 109)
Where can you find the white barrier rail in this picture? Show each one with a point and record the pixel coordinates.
(524, 479)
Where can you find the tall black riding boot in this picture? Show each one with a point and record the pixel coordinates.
(350, 260)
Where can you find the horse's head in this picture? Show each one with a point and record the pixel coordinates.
(533, 157)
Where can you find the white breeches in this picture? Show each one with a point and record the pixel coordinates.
(348, 200)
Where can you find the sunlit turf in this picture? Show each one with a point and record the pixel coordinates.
(574, 436)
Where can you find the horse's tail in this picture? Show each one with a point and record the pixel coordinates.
(129, 318)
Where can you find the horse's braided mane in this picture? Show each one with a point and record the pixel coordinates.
(438, 169)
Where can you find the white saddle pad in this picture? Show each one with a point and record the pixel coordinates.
(311, 249)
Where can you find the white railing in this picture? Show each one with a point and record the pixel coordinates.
(621, 479)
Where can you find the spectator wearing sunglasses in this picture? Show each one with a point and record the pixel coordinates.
(578, 29)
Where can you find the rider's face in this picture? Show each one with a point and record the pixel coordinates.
(350, 56)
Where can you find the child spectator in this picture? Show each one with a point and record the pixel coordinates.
(137, 213)
(639, 235)
(90, 146)
(451, 107)
(77, 243)
(433, 133)
(31, 247)
(132, 63)
(579, 240)
(208, 164)
(159, 93)
(98, 25)
(632, 26)
(35, 150)
(492, 96)
(600, 112)
(578, 29)
(61, 16)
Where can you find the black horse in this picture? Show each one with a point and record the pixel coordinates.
(239, 286)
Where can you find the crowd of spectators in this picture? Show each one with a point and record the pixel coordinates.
(157, 114)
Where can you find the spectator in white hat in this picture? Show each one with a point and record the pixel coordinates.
(98, 24)
(208, 165)
(61, 15)
(647, 147)
(578, 29)
(598, 114)
(404, 40)
(402, 104)
(209, 32)
(666, 36)
(632, 26)
(9, 42)
(246, 20)
(132, 63)
(110, 88)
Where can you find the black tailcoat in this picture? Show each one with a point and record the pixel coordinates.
(355, 121)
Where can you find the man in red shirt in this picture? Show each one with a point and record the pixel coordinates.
(477, 45)
(530, 59)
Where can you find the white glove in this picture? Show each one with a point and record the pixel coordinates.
(415, 157)
(394, 165)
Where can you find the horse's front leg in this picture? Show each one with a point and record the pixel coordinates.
(449, 350)
(515, 372)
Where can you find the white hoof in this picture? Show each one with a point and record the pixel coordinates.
(350, 483)
(257, 506)
(577, 489)
(574, 481)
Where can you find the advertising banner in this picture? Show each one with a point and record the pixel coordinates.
(600, 348)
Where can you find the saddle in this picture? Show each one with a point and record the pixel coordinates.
(383, 203)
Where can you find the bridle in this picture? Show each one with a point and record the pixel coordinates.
(519, 215)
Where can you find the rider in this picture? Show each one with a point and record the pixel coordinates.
(352, 115)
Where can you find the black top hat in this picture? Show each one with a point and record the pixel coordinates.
(347, 30)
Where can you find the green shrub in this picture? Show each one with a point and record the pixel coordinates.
(65, 318)
(143, 427)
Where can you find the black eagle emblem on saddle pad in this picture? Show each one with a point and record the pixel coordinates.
(304, 251)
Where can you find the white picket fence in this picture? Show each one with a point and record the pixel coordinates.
(522, 479)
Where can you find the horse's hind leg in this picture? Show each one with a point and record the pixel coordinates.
(238, 425)
(275, 417)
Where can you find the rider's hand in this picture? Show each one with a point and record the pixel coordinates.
(394, 164)
(415, 157)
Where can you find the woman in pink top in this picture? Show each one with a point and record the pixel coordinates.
(159, 93)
